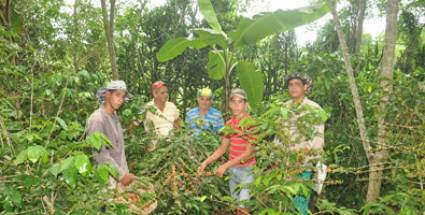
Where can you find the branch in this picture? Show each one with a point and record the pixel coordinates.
(111, 18)
(5, 133)
(3, 19)
(58, 113)
(352, 81)
(108, 25)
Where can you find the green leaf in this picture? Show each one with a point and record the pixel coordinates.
(270, 211)
(62, 123)
(7, 206)
(67, 164)
(33, 153)
(260, 26)
(292, 189)
(173, 48)
(284, 113)
(70, 176)
(14, 196)
(246, 123)
(97, 140)
(82, 163)
(228, 130)
(29, 180)
(102, 173)
(216, 66)
(104, 170)
(323, 115)
(207, 37)
(112, 170)
(55, 169)
(207, 10)
(48, 93)
(38, 152)
(202, 198)
(32, 137)
(22, 156)
(252, 82)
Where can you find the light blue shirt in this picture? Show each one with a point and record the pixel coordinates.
(212, 121)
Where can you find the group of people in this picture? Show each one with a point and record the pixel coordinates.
(163, 116)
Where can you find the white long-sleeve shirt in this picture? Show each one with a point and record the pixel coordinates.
(300, 141)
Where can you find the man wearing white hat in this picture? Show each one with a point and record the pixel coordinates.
(105, 120)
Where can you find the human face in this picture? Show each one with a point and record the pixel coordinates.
(297, 88)
(204, 102)
(238, 105)
(115, 98)
(161, 94)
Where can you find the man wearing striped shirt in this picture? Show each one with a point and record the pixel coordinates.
(240, 144)
(204, 117)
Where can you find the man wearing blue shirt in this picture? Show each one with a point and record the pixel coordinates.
(204, 117)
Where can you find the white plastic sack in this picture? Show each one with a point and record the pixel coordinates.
(321, 172)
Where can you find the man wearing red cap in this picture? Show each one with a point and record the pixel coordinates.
(161, 116)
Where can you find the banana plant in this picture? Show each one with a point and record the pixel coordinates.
(221, 57)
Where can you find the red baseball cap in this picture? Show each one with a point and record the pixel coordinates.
(157, 84)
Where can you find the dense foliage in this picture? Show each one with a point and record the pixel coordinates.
(53, 58)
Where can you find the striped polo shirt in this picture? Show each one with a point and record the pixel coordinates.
(212, 121)
(239, 142)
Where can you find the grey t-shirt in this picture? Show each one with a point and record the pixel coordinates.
(110, 126)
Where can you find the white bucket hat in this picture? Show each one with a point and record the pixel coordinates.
(113, 85)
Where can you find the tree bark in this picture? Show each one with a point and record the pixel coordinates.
(74, 36)
(387, 71)
(352, 81)
(109, 28)
(5, 13)
(376, 159)
(359, 28)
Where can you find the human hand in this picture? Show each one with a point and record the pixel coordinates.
(201, 168)
(127, 179)
(221, 170)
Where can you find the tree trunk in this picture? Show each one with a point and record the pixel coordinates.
(74, 36)
(352, 81)
(109, 32)
(387, 71)
(5, 11)
(376, 167)
(227, 82)
(359, 28)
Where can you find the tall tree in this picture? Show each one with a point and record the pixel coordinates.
(379, 155)
(387, 71)
(108, 24)
(352, 81)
